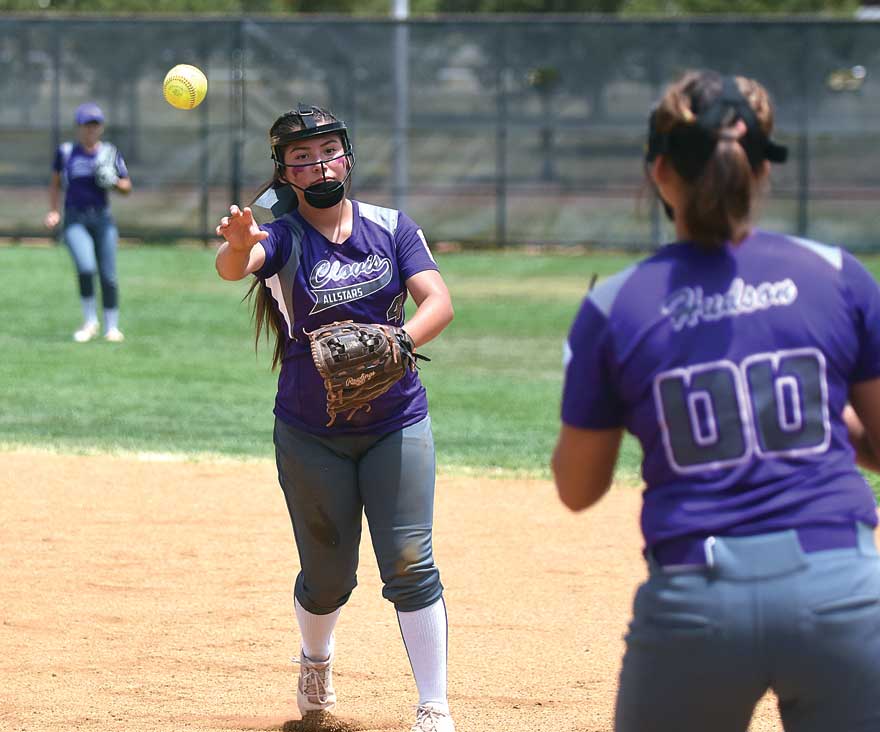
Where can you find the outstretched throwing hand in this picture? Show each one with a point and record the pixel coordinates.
(240, 229)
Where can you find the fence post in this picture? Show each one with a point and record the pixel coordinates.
(400, 145)
(56, 235)
(655, 74)
(56, 86)
(803, 213)
(501, 138)
(238, 119)
(26, 99)
(204, 155)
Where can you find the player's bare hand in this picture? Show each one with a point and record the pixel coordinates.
(240, 229)
(52, 219)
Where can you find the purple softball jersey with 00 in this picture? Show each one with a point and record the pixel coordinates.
(314, 282)
(732, 369)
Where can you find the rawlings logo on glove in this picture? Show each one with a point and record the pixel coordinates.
(360, 362)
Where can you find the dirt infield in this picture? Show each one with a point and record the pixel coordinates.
(142, 594)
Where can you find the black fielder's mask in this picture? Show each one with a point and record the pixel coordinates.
(325, 193)
(689, 147)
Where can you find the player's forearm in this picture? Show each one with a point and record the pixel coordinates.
(123, 185)
(53, 196)
(866, 455)
(430, 319)
(583, 464)
(236, 264)
(232, 264)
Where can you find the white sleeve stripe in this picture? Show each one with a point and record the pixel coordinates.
(274, 285)
(567, 355)
(425, 242)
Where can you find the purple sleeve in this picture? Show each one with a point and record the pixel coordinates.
(277, 247)
(589, 395)
(121, 168)
(865, 299)
(57, 162)
(413, 255)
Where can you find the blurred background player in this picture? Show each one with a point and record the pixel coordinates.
(326, 258)
(88, 169)
(731, 355)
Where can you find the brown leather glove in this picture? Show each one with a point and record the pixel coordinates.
(360, 362)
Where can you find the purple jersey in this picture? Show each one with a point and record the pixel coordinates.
(314, 282)
(77, 169)
(732, 369)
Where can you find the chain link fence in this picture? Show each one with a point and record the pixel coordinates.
(492, 132)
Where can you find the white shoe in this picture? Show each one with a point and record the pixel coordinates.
(86, 333)
(432, 718)
(314, 690)
(114, 335)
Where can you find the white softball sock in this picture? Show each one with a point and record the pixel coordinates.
(425, 635)
(111, 319)
(89, 309)
(316, 632)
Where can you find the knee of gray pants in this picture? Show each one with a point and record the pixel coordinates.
(406, 565)
(325, 593)
(81, 247)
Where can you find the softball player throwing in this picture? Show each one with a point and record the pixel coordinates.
(88, 170)
(731, 355)
(324, 258)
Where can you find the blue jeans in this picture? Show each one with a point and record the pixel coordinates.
(704, 645)
(330, 482)
(91, 237)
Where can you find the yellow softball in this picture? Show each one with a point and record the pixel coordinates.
(185, 86)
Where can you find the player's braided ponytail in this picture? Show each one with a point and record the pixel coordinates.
(721, 192)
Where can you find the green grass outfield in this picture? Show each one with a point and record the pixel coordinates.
(187, 380)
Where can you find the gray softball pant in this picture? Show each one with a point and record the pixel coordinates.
(91, 238)
(705, 645)
(330, 482)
